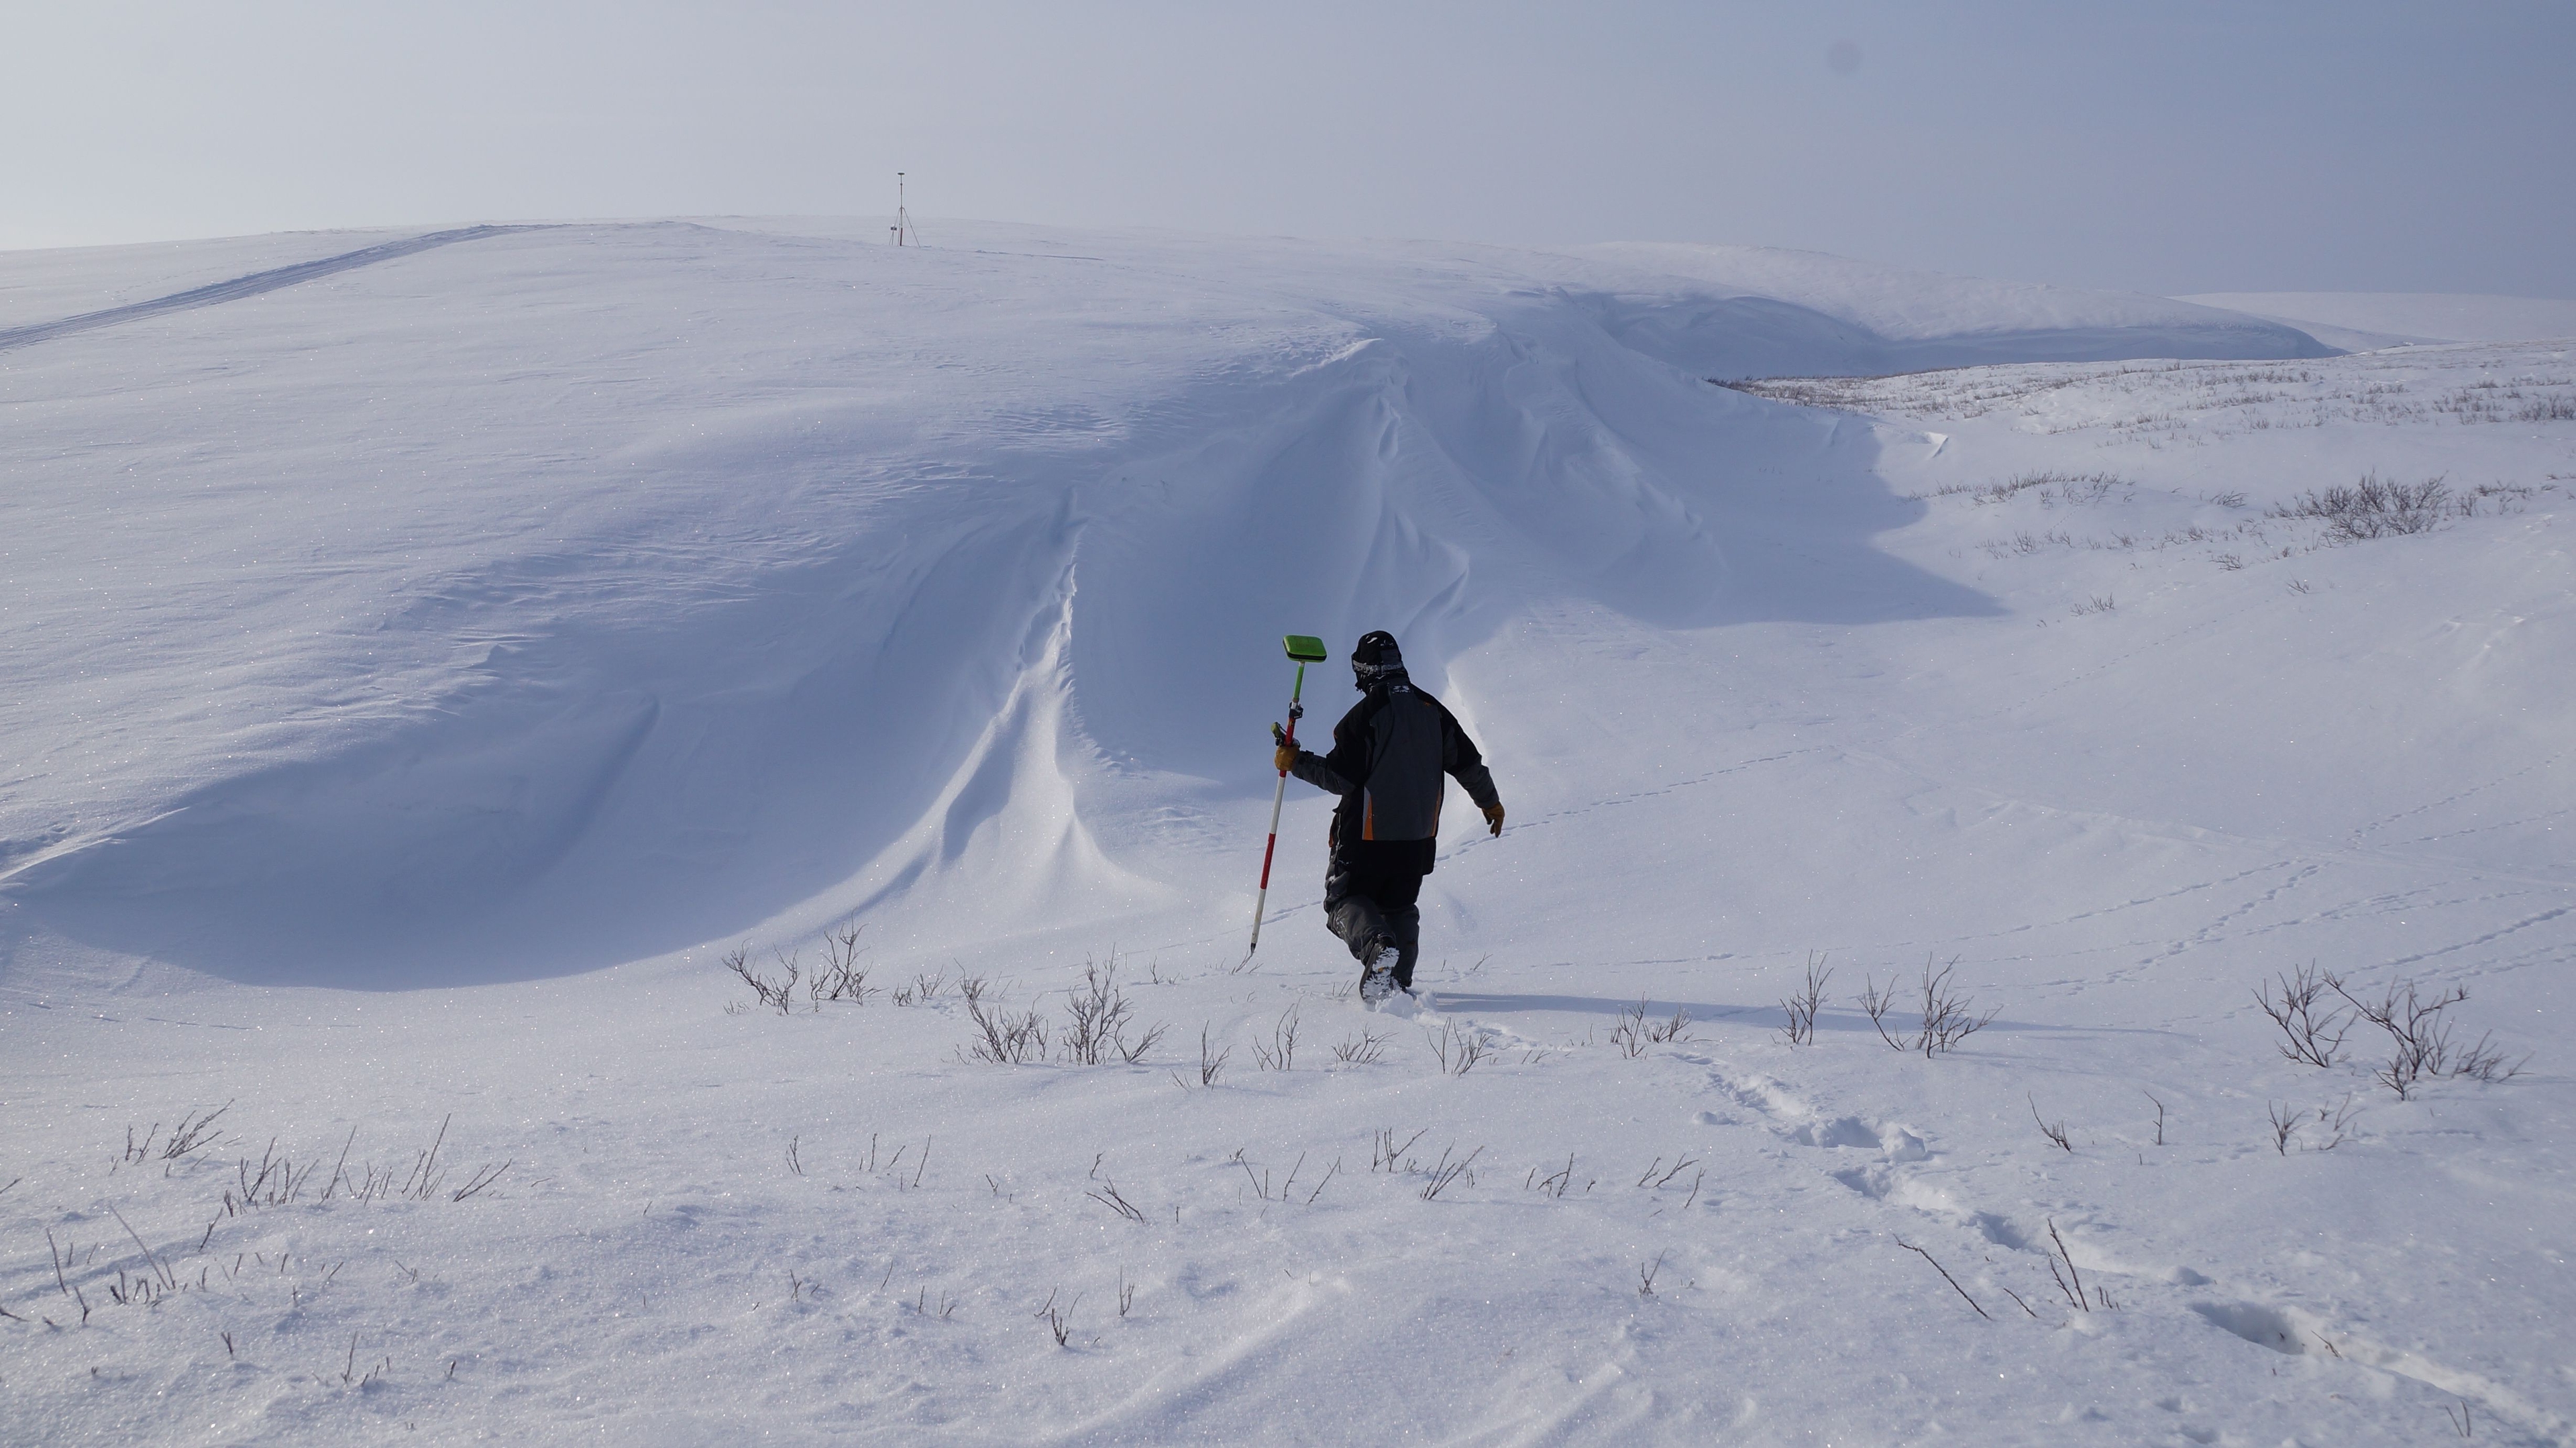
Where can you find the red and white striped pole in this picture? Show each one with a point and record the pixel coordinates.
(1296, 711)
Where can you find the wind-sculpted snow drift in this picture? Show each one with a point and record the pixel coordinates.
(581, 593)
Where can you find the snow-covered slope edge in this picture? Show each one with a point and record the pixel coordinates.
(1742, 312)
(565, 596)
(2409, 316)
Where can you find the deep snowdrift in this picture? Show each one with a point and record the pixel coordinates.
(383, 650)
(553, 598)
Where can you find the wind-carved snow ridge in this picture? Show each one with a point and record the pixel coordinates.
(1005, 839)
(236, 288)
(1802, 313)
(669, 646)
(416, 680)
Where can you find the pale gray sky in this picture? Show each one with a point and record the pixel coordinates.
(2161, 147)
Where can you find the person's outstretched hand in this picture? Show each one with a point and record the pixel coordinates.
(1285, 756)
(1494, 817)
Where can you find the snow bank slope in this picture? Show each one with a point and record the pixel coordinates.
(1758, 312)
(559, 597)
(2413, 316)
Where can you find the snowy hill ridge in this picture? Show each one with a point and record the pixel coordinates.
(1765, 320)
(2410, 316)
(547, 598)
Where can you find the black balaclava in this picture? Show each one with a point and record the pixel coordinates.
(1376, 660)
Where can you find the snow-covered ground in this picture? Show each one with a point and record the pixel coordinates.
(2358, 320)
(420, 676)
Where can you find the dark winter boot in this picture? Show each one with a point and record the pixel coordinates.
(1378, 959)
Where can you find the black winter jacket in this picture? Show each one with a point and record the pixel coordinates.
(1389, 754)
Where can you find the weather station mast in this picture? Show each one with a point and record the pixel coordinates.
(902, 229)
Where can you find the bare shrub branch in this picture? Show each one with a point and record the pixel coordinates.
(1004, 1039)
(2485, 1062)
(1658, 1182)
(2307, 1034)
(1646, 1274)
(2421, 1047)
(1329, 1173)
(1946, 1277)
(1447, 1172)
(1108, 1197)
(2285, 1124)
(1875, 1004)
(1629, 1037)
(2075, 1293)
(479, 1182)
(1459, 1051)
(1059, 1320)
(1210, 1066)
(1947, 1017)
(1554, 1183)
(161, 1273)
(841, 978)
(1260, 1179)
(2375, 507)
(1362, 1049)
(191, 1134)
(774, 994)
(1281, 1052)
(1802, 1007)
(1386, 1156)
(1099, 1012)
(2339, 1123)
(2054, 1131)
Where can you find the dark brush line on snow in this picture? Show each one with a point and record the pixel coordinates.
(248, 286)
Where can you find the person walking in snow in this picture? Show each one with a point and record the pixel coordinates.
(1389, 755)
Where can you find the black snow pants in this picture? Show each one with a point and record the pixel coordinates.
(1366, 900)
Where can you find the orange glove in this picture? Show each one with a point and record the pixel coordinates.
(1494, 817)
(1285, 756)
